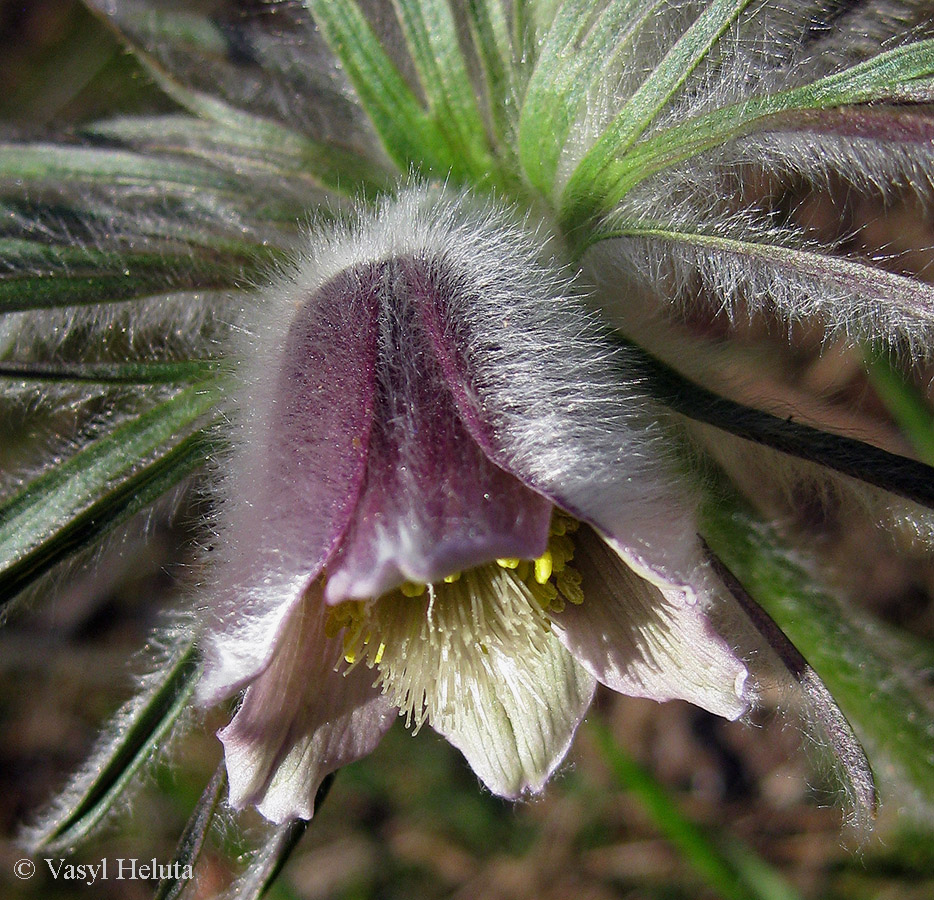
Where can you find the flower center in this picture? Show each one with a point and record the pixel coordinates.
(423, 638)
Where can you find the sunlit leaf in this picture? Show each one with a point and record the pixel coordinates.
(432, 39)
(644, 105)
(76, 502)
(409, 133)
(607, 175)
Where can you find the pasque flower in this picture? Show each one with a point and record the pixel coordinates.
(426, 416)
(410, 277)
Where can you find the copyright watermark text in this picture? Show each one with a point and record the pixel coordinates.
(120, 869)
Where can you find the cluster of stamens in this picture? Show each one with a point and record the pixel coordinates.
(549, 580)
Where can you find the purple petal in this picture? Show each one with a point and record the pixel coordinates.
(434, 503)
(552, 402)
(646, 642)
(299, 468)
(301, 720)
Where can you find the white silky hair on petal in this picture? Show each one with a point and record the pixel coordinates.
(551, 389)
(552, 384)
(568, 415)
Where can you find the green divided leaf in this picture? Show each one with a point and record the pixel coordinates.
(864, 669)
(75, 503)
(409, 133)
(139, 730)
(333, 167)
(432, 39)
(52, 163)
(641, 109)
(191, 843)
(605, 177)
(490, 30)
(35, 274)
(177, 372)
(573, 54)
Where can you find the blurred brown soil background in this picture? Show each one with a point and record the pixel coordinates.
(411, 821)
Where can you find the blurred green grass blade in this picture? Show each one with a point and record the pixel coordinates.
(175, 372)
(733, 871)
(36, 275)
(409, 134)
(886, 701)
(905, 403)
(431, 36)
(193, 837)
(138, 731)
(875, 79)
(76, 502)
(641, 109)
(572, 55)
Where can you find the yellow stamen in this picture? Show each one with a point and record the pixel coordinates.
(548, 583)
(412, 588)
(543, 567)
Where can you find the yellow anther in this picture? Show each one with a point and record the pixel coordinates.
(450, 579)
(379, 653)
(412, 588)
(545, 593)
(562, 551)
(508, 563)
(569, 583)
(543, 567)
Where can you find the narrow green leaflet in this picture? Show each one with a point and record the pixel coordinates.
(832, 274)
(883, 698)
(894, 473)
(568, 63)
(732, 870)
(176, 372)
(53, 163)
(333, 167)
(874, 79)
(138, 731)
(642, 108)
(432, 39)
(191, 843)
(75, 503)
(283, 162)
(271, 859)
(34, 274)
(410, 135)
(490, 31)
